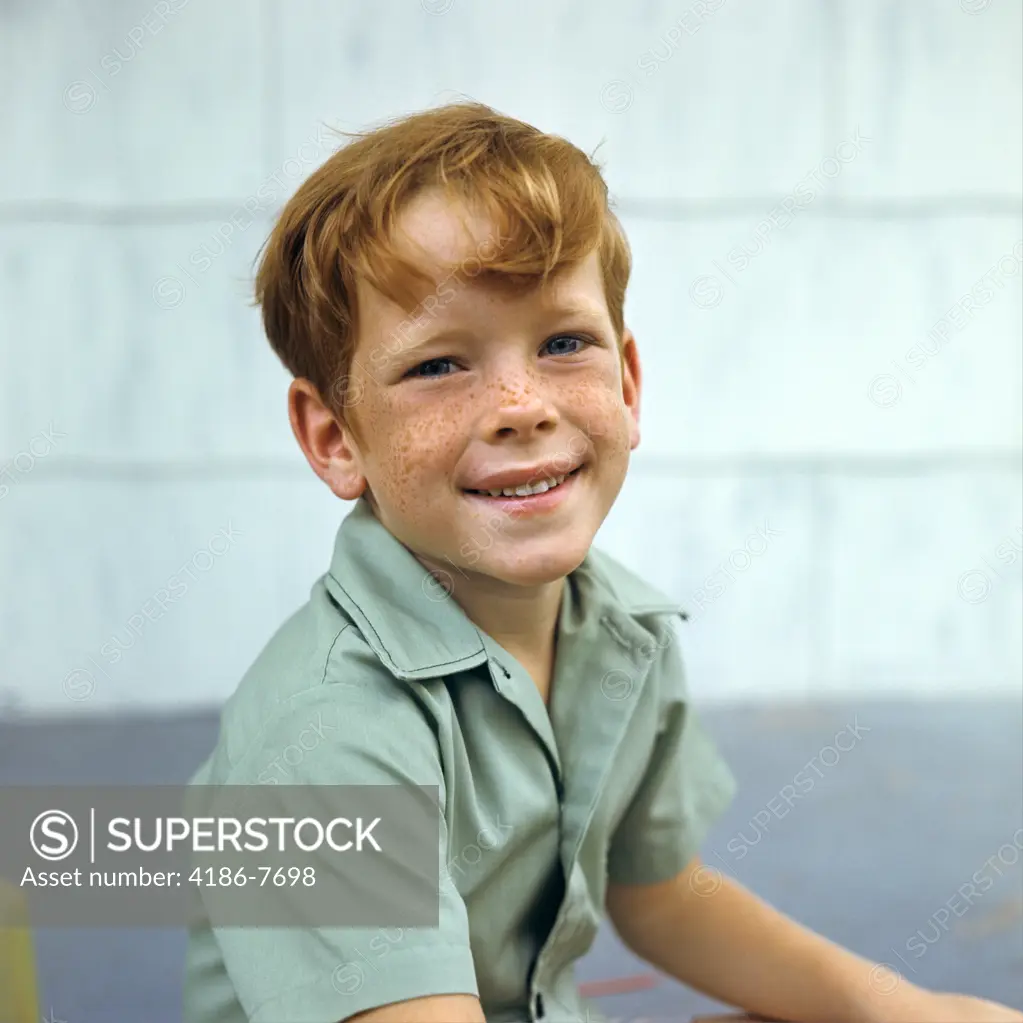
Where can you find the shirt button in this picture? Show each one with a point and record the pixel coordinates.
(538, 1006)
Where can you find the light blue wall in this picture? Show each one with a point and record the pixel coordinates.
(865, 153)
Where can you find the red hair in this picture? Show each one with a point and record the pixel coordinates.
(547, 199)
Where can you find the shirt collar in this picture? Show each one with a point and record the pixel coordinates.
(407, 618)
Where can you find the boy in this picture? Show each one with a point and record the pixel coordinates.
(447, 292)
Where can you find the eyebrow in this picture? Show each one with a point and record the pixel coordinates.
(571, 308)
(556, 311)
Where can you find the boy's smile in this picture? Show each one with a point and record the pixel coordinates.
(521, 491)
(493, 432)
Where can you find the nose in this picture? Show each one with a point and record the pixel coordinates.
(518, 406)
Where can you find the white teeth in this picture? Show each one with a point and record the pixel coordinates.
(528, 490)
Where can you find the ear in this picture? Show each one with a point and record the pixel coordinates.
(631, 383)
(328, 443)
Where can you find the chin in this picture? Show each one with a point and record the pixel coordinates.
(535, 569)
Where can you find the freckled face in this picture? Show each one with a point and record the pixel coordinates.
(490, 388)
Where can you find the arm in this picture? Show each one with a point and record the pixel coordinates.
(434, 1009)
(343, 971)
(709, 932)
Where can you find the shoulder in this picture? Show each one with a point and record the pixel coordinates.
(657, 616)
(316, 684)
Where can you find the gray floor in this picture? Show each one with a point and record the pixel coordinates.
(927, 796)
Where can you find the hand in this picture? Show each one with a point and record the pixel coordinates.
(730, 1019)
(949, 1008)
(940, 1008)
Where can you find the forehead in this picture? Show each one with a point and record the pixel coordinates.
(445, 237)
(437, 230)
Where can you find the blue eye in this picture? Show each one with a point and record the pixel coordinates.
(566, 337)
(423, 367)
(444, 366)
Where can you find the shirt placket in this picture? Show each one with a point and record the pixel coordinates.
(609, 681)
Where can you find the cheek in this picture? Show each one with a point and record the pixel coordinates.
(408, 448)
(616, 441)
(603, 415)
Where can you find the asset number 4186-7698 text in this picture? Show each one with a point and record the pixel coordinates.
(262, 876)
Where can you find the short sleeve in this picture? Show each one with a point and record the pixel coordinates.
(359, 734)
(686, 787)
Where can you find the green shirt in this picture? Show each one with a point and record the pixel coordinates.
(381, 678)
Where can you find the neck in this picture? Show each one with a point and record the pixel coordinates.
(522, 619)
